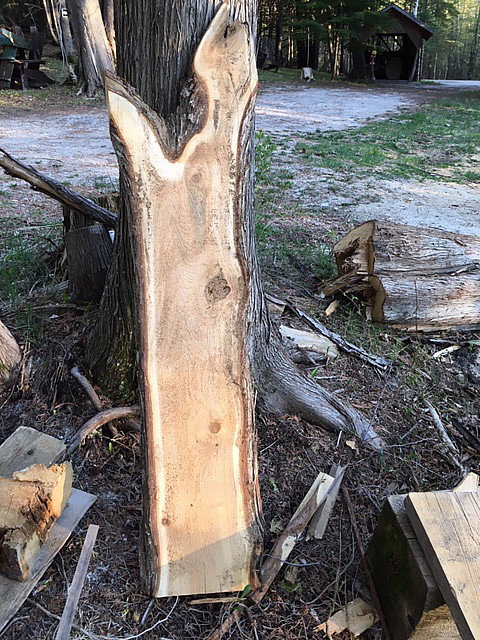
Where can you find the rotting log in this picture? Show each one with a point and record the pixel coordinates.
(201, 509)
(413, 278)
(55, 190)
(30, 503)
(10, 354)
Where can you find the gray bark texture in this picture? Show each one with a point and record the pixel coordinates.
(95, 54)
(160, 71)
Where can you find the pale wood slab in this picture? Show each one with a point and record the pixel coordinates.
(200, 512)
(27, 446)
(12, 593)
(447, 525)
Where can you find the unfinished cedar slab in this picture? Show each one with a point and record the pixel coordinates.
(201, 510)
(413, 278)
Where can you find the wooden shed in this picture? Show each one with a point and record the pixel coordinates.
(398, 44)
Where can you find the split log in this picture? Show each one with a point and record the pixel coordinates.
(30, 503)
(201, 509)
(89, 251)
(55, 190)
(413, 278)
(10, 354)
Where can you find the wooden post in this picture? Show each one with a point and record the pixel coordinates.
(200, 507)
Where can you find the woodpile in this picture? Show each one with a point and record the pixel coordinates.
(413, 278)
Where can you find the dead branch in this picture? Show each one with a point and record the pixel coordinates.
(54, 189)
(131, 424)
(344, 345)
(66, 621)
(90, 392)
(98, 421)
(451, 448)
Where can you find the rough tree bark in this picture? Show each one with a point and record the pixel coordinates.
(95, 54)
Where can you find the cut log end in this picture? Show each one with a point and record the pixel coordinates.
(412, 278)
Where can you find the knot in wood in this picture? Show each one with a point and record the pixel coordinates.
(217, 289)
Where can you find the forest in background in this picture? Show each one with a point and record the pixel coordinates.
(323, 35)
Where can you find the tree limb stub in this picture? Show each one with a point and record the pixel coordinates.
(200, 507)
(55, 190)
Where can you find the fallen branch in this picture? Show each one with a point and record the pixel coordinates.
(66, 621)
(282, 548)
(54, 189)
(371, 584)
(472, 440)
(98, 421)
(132, 423)
(454, 453)
(344, 345)
(90, 392)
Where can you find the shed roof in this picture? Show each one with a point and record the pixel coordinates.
(404, 17)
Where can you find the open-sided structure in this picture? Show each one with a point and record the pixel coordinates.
(398, 43)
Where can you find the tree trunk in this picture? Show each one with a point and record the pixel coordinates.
(472, 62)
(108, 21)
(279, 31)
(160, 70)
(94, 52)
(419, 279)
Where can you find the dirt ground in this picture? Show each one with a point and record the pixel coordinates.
(70, 143)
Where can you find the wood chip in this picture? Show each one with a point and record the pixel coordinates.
(357, 616)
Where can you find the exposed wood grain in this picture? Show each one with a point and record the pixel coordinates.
(27, 446)
(310, 341)
(66, 621)
(321, 517)
(12, 593)
(201, 513)
(414, 278)
(448, 528)
(10, 354)
(30, 502)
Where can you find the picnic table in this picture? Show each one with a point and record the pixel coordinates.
(20, 61)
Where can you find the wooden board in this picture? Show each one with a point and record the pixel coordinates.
(27, 446)
(447, 525)
(12, 593)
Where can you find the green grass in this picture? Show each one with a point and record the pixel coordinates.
(441, 135)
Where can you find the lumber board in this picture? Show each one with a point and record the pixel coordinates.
(27, 446)
(12, 593)
(201, 509)
(447, 525)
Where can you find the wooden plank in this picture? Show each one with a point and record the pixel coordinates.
(27, 446)
(12, 593)
(66, 621)
(448, 528)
